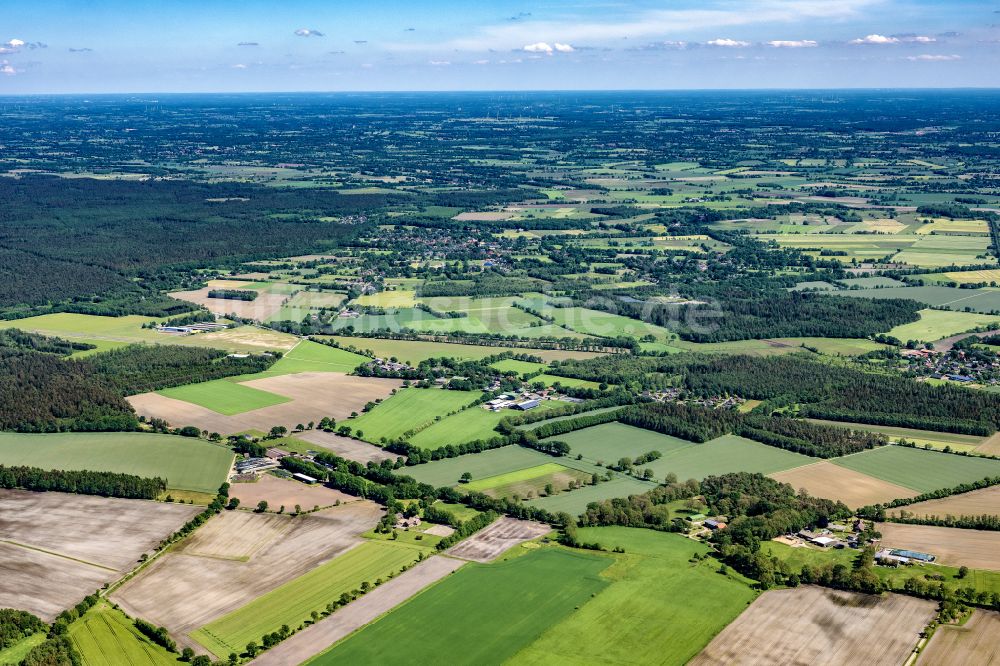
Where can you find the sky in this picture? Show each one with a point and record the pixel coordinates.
(121, 46)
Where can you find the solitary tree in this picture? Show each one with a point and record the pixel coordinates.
(262, 506)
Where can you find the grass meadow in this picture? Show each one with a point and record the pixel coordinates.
(224, 397)
(659, 608)
(106, 637)
(186, 463)
(411, 409)
(481, 614)
(918, 469)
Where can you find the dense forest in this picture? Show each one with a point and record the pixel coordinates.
(105, 484)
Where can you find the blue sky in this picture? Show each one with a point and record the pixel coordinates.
(90, 46)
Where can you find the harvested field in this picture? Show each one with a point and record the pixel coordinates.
(313, 396)
(824, 479)
(975, 503)
(262, 308)
(236, 535)
(976, 549)
(57, 548)
(974, 643)
(345, 447)
(812, 625)
(504, 534)
(284, 492)
(183, 591)
(357, 614)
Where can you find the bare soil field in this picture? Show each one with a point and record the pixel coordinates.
(183, 591)
(46, 584)
(110, 532)
(247, 338)
(357, 614)
(816, 626)
(56, 548)
(284, 492)
(974, 643)
(504, 534)
(990, 447)
(824, 479)
(975, 503)
(261, 308)
(977, 549)
(313, 396)
(345, 447)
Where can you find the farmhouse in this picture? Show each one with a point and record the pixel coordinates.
(714, 524)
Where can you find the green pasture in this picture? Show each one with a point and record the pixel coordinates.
(309, 356)
(610, 442)
(481, 614)
(728, 453)
(18, 651)
(224, 397)
(447, 471)
(574, 502)
(293, 602)
(978, 300)
(104, 636)
(919, 469)
(521, 481)
(520, 367)
(937, 324)
(402, 415)
(414, 351)
(466, 426)
(660, 607)
(186, 463)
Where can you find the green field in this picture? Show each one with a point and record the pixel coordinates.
(468, 425)
(575, 502)
(609, 442)
(309, 356)
(520, 367)
(481, 614)
(186, 463)
(518, 476)
(978, 300)
(292, 603)
(660, 608)
(414, 351)
(105, 637)
(918, 469)
(410, 409)
(224, 397)
(550, 380)
(447, 471)
(937, 324)
(18, 651)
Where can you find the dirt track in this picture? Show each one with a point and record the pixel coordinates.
(357, 614)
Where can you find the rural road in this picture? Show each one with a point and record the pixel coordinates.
(945, 344)
(326, 632)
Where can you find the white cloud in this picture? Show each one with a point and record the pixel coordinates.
(480, 62)
(926, 57)
(793, 43)
(15, 43)
(920, 39)
(538, 47)
(440, 63)
(239, 66)
(728, 43)
(875, 39)
(308, 32)
(7, 69)
(564, 48)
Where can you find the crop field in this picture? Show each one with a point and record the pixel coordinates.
(550, 380)
(304, 303)
(975, 642)
(446, 472)
(57, 548)
(528, 482)
(659, 607)
(938, 440)
(105, 637)
(504, 534)
(480, 614)
(919, 469)
(609, 442)
(287, 493)
(263, 308)
(224, 397)
(985, 501)
(468, 425)
(825, 479)
(345, 447)
(18, 651)
(414, 351)
(186, 463)
(520, 367)
(411, 409)
(977, 549)
(309, 356)
(984, 300)
(811, 625)
(936, 324)
(575, 502)
(307, 396)
(292, 603)
(184, 591)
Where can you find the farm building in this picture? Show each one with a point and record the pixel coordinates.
(304, 478)
(912, 555)
(255, 465)
(714, 524)
(528, 404)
